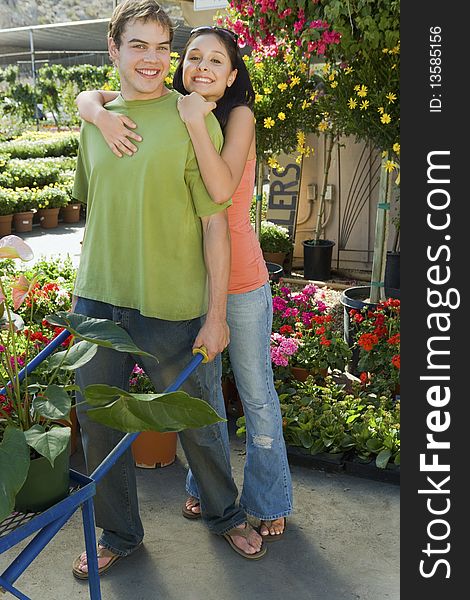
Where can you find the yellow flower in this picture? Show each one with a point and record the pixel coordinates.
(385, 118)
(303, 67)
(396, 148)
(305, 104)
(352, 103)
(289, 105)
(267, 91)
(390, 166)
(300, 138)
(380, 110)
(348, 70)
(245, 58)
(333, 84)
(269, 122)
(332, 76)
(168, 80)
(174, 55)
(364, 105)
(258, 97)
(362, 91)
(294, 81)
(272, 162)
(282, 86)
(357, 88)
(323, 125)
(391, 97)
(281, 116)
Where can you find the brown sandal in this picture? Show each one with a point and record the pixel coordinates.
(244, 533)
(270, 537)
(188, 513)
(101, 553)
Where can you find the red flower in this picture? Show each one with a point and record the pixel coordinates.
(285, 329)
(396, 361)
(368, 341)
(325, 342)
(395, 339)
(364, 377)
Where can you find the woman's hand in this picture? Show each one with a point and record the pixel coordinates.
(193, 107)
(117, 132)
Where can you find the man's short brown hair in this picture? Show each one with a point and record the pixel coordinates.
(131, 10)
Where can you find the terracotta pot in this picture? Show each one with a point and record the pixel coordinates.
(301, 374)
(153, 449)
(70, 213)
(23, 221)
(275, 257)
(5, 224)
(48, 217)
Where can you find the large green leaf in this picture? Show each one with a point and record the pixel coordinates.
(53, 403)
(77, 356)
(128, 412)
(48, 443)
(102, 332)
(14, 465)
(382, 458)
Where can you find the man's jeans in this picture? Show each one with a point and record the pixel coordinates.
(116, 505)
(267, 486)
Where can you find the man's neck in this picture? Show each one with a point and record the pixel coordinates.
(131, 95)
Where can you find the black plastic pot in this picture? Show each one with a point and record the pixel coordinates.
(317, 259)
(392, 270)
(355, 297)
(275, 271)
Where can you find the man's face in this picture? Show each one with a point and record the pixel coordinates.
(143, 60)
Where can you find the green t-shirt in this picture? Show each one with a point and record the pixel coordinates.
(143, 246)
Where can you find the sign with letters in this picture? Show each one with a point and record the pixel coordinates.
(284, 189)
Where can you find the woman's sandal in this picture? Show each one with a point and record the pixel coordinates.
(100, 553)
(272, 537)
(244, 533)
(188, 513)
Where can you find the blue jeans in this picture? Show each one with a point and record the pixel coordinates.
(267, 486)
(116, 504)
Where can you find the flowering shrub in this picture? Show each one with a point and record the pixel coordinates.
(274, 238)
(377, 335)
(284, 103)
(304, 332)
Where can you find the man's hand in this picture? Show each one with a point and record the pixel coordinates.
(214, 335)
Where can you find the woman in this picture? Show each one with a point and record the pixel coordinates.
(212, 76)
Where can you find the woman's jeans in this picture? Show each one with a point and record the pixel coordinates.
(267, 486)
(116, 505)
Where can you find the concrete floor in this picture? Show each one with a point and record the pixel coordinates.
(342, 541)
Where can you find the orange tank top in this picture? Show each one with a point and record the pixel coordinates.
(248, 267)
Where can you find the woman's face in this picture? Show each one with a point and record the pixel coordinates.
(207, 69)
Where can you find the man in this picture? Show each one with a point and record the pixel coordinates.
(155, 247)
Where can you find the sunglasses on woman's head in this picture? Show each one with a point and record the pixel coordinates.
(214, 29)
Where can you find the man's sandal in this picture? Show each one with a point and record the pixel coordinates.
(235, 531)
(101, 553)
(269, 537)
(188, 513)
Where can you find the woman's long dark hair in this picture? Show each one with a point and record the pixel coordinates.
(240, 93)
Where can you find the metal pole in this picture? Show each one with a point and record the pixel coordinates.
(33, 70)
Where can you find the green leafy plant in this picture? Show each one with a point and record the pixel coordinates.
(30, 409)
(274, 238)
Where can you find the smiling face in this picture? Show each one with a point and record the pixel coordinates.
(207, 68)
(142, 59)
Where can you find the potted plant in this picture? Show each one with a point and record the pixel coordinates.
(377, 338)
(7, 208)
(305, 337)
(25, 210)
(152, 448)
(275, 242)
(50, 199)
(29, 411)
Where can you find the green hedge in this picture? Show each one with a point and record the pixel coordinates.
(41, 147)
